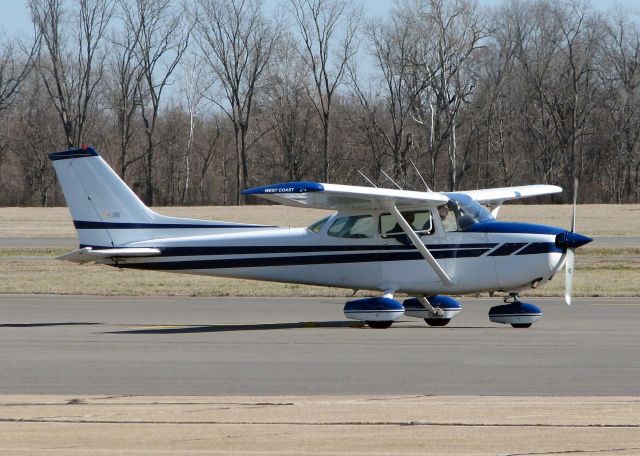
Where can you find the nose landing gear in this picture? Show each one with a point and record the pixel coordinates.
(516, 313)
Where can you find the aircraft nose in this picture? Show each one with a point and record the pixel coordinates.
(569, 240)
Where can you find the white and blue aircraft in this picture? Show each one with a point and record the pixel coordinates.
(424, 244)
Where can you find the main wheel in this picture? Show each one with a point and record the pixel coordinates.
(437, 321)
(380, 324)
(521, 325)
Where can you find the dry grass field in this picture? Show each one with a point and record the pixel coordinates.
(592, 219)
(600, 272)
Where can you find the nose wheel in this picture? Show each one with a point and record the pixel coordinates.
(516, 313)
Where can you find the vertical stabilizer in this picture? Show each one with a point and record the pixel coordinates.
(97, 198)
(107, 213)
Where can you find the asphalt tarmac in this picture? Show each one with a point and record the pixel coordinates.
(287, 346)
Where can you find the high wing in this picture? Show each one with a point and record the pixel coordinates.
(344, 197)
(495, 195)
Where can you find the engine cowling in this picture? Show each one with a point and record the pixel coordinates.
(373, 309)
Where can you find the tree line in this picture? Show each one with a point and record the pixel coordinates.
(192, 102)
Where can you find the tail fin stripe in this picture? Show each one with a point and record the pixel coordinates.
(74, 153)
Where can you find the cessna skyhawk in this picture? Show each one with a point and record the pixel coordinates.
(427, 245)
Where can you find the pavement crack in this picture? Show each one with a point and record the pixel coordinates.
(322, 423)
(603, 450)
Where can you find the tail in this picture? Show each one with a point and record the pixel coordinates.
(107, 213)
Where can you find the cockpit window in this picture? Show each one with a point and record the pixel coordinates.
(354, 226)
(462, 212)
(316, 227)
(420, 221)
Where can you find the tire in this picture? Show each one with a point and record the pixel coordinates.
(521, 325)
(437, 321)
(380, 324)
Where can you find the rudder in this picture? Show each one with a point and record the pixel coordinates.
(97, 197)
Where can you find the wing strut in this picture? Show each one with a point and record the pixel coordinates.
(419, 244)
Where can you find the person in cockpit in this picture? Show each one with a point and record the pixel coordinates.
(398, 233)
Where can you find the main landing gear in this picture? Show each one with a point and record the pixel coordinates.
(435, 310)
(380, 313)
(515, 312)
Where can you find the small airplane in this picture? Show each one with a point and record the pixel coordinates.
(427, 245)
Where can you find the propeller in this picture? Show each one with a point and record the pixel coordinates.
(571, 252)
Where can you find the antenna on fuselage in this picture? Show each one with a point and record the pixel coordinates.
(420, 175)
(389, 177)
(366, 178)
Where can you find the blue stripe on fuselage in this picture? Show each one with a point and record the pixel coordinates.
(87, 225)
(513, 228)
(262, 261)
(261, 249)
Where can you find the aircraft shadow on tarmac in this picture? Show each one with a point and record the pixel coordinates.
(184, 329)
(35, 325)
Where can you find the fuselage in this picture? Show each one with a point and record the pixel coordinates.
(489, 256)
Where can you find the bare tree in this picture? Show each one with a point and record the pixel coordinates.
(15, 64)
(395, 51)
(124, 86)
(195, 82)
(290, 114)
(163, 37)
(451, 32)
(236, 42)
(328, 30)
(73, 65)
(620, 71)
(562, 90)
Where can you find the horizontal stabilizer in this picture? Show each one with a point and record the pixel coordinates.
(89, 255)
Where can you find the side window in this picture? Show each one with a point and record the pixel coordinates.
(448, 219)
(355, 226)
(420, 221)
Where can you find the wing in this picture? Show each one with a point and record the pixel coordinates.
(500, 195)
(494, 197)
(344, 197)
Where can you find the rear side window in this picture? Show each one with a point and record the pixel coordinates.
(355, 226)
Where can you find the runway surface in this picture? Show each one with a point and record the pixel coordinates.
(275, 346)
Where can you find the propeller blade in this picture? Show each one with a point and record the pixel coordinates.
(575, 203)
(568, 290)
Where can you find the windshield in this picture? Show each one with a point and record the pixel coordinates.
(316, 227)
(467, 211)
